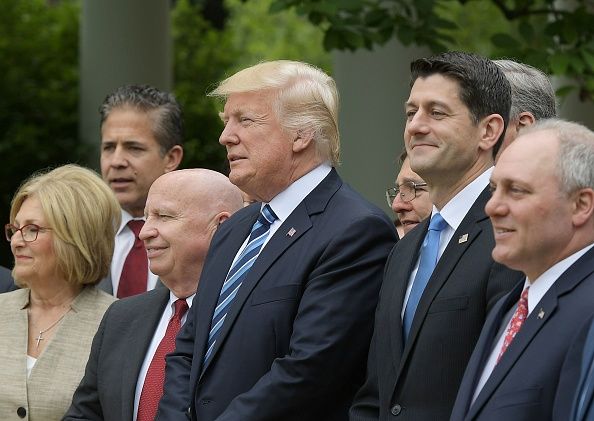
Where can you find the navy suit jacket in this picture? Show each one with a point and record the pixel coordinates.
(6, 281)
(418, 380)
(107, 389)
(575, 394)
(524, 383)
(294, 342)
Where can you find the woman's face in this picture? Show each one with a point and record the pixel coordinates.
(34, 261)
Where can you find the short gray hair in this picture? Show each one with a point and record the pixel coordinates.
(531, 90)
(165, 111)
(575, 161)
(307, 99)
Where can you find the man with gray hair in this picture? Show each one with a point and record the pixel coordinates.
(542, 212)
(281, 326)
(141, 139)
(533, 98)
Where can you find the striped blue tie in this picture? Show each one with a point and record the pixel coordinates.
(237, 274)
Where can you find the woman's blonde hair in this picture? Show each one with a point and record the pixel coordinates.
(83, 214)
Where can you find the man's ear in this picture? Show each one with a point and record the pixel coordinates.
(492, 127)
(525, 119)
(583, 206)
(222, 217)
(173, 158)
(303, 139)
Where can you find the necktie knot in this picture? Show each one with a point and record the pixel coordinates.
(181, 306)
(437, 223)
(267, 216)
(136, 225)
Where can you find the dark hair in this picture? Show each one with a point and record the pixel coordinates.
(484, 89)
(167, 119)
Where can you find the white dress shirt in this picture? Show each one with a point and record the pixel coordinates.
(124, 240)
(284, 203)
(167, 315)
(453, 213)
(538, 288)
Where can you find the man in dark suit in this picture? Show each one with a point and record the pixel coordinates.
(141, 139)
(183, 210)
(542, 211)
(290, 334)
(426, 325)
(6, 281)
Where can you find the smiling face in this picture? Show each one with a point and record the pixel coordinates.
(531, 217)
(131, 157)
(179, 226)
(413, 212)
(34, 261)
(260, 152)
(442, 142)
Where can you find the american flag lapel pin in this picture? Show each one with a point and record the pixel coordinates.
(463, 239)
(291, 232)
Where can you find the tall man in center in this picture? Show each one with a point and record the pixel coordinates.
(440, 280)
(281, 324)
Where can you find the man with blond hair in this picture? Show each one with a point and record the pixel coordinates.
(281, 326)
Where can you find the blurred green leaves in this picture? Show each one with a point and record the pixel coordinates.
(556, 36)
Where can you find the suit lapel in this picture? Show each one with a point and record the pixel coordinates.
(299, 223)
(468, 231)
(538, 318)
(142, 329)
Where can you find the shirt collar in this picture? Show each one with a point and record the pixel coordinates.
(126, 217)
(456, 209)
(284, 203)
(540, 286)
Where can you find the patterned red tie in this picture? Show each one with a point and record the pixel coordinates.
(135, 269)
(152, 390)
(516, 322)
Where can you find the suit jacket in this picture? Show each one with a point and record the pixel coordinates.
(418, 381)
(523, 385)
(575, 394)
(46, 394)
(6, 281)
(294, 342)
(108, 387)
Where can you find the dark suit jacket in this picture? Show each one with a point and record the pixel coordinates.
(107, 389)
(575, 393)
(418, 381)
(6, 281)
(523, 385)
(294, 343)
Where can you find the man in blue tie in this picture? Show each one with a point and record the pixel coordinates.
(281, 325)
(440, 279)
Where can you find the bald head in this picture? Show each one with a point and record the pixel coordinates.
(183, 210)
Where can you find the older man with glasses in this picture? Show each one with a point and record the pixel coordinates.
(409, 199)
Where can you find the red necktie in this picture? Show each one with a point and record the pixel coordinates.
(135, 269)
(516, 322)
(152, 390)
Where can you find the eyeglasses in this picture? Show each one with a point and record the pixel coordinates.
(29, 232)
(407, 191)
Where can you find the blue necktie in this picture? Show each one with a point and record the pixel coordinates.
(237, 274)
(429, 254)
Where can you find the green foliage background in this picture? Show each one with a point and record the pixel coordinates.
(39, 79)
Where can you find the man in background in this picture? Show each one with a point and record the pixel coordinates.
(141, 139)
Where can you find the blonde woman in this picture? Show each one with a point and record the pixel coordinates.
(61, 233)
